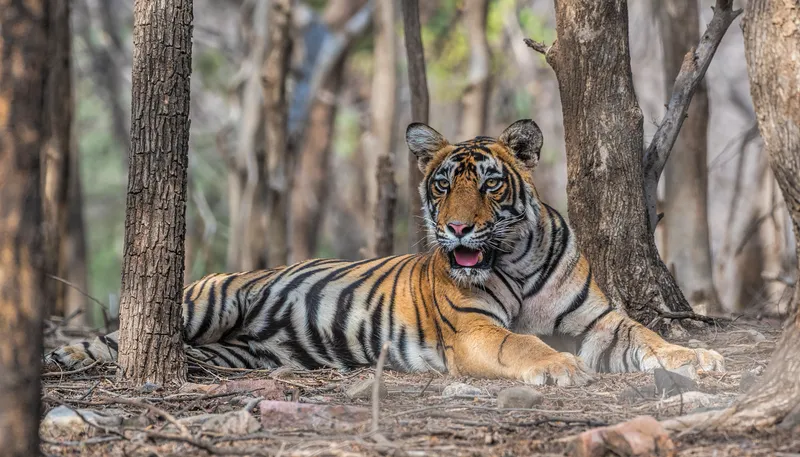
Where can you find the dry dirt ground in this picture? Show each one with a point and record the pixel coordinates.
(418, 417)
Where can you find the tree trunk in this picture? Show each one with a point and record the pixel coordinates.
(687, 247)
(415, 55)
(73, 248)
(56, 151)
(279, 161)
(379, 140)
(311, 177)
(772, 49)
(23, 69)
(603, 133)
(150, 346)
(475, 101)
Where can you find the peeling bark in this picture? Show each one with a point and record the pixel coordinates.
(150, 343)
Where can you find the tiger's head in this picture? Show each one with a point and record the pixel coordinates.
(476, 194)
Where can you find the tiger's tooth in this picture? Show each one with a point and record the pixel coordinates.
(480, 256)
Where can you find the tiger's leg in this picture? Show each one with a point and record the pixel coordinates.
(609, 341)
(83, 353)
(485, 350)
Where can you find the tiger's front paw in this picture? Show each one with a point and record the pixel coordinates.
(676, 356)
(69, 357)
(561, 368)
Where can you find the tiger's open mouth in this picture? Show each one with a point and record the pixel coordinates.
(464, 257)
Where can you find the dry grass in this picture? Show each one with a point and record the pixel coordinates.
(415, 419)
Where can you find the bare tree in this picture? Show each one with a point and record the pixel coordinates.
(279, 160)
(772, 49)
(56, 151)
(475, 100)
(378, 141)
(23, 59)
(609, 202)
(687, 248)
(150, 345)
(311, 176)
(415, 55)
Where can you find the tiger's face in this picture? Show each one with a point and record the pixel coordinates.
(476, 194)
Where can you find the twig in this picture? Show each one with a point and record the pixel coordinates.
(63, 373)
(98, 440)
(680, 315)
(537, 46)
(103, 307)
(692, 72)
(376, 386)
(246, 371)
(155, 409)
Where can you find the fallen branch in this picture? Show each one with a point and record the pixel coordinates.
(63, 373)
(681, 315)
(376, 386)
(694, 67)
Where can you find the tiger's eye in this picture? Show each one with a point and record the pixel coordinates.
(442, 183)
(492, 183)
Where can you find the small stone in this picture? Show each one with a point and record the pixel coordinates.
(639, 436)
(669, 383)
(518, 397)
(62, 420)
(755, 336)
(363, 390)
(696, 344)
(238, 422)
(459, 389)
(748, 380)
(149, 387)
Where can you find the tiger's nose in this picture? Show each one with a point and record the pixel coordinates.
(458, 229)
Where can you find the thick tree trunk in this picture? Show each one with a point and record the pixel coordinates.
(73, 248)
(279, 158)
(603, 133)
(56, 151)
(23, 59)
(418, 84)
(772, 49)
(475, 101)
(379, 140)
(311, 177)
(150, 346)
(687, 247)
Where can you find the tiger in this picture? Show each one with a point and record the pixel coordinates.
(503, 275)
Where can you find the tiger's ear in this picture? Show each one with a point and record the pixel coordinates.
(524, 139)
(423, 141)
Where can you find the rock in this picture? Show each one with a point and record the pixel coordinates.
(640, 436)
(633, 395)
(279, 414)
(459, 389)
(755, 336)
(748, 380)
(62, 420)
(363, 389)
(671, 382)
(149, 387)
(693, 401)
(696, 344)
(233, 423)
(518, 397)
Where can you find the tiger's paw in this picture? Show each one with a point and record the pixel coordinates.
(69, 357)
(676, 356)
(561, 369)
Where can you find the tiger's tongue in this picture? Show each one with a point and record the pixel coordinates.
(466, 257)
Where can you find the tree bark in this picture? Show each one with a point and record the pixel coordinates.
(475, 101)
(415, 55)
(311, 176)
(150, 345)
(279, 158)
(384, 213)
(56, 151)
(23, 68)
(687, 247)
(772, 50)
(603, 133)
(379, 140)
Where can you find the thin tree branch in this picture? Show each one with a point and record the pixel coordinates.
(692, 72)
(537, 46)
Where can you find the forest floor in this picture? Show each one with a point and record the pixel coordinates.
(245, 413)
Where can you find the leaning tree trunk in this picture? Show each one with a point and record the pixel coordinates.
(418, 85)
(56, 151)
(23, 60)
(772, 50)
(687, 245)
(603, 134)
(475, 101)
(150, 347)
(279, 161)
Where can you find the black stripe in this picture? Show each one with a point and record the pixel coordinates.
(585, 332)
(208, 317)
(576, 302)
(216, 354)
(500, 349)
(230, 350)
(260, 354)
(402, 346)
(469, 309)
(625, 354)
(527, 250)
(110, 343)
(551, 264)
(376, 329)
(605, 356)
(489, 291)
(511, 290)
